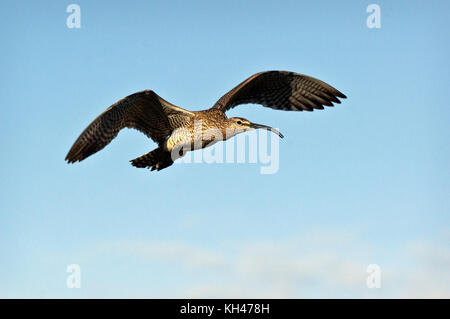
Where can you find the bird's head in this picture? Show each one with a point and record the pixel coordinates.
(239, 125)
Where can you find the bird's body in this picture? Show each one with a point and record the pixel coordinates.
(177, 130)
(193, 134)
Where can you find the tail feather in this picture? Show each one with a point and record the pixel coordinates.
(157, 159)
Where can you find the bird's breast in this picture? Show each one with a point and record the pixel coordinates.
(193, 138)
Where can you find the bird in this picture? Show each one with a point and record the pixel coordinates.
(177, 130)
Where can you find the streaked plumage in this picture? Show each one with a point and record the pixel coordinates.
(170, 126)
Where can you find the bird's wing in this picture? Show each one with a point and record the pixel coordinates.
(281, 90)
(144, 111)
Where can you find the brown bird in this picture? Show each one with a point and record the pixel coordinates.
(177, 130)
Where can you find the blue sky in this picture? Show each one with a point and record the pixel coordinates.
(366, 182)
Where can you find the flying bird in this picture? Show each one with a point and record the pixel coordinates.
(177, 130)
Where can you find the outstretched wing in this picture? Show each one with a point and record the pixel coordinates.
(281, 90)
(144, 111)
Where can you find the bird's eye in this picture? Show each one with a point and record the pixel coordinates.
(239, 122)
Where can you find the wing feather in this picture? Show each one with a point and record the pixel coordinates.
(144, 111)
(281, 90)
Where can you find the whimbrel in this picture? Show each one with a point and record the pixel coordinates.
(172, 127)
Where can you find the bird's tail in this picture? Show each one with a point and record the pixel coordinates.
(157, 159)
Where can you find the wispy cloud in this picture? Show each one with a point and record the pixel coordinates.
(183, 254)
(321, 264)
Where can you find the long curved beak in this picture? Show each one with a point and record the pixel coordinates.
(256, 126)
